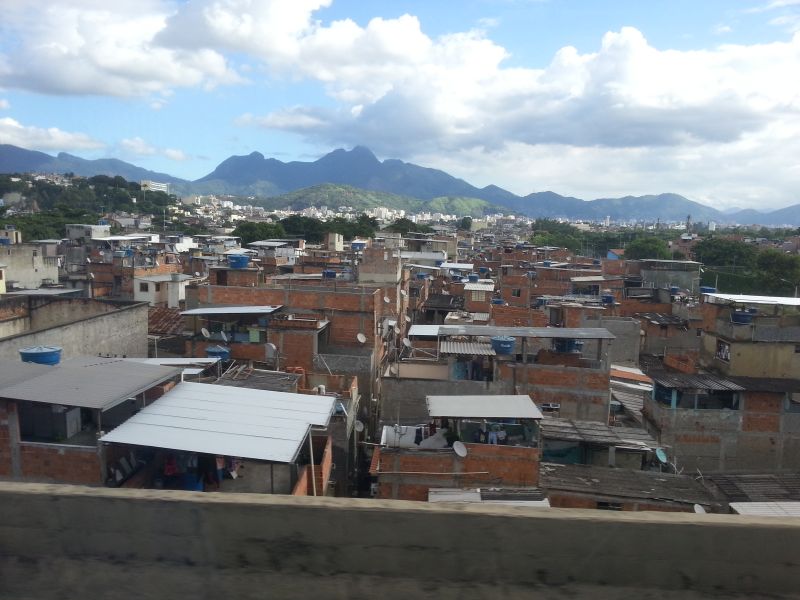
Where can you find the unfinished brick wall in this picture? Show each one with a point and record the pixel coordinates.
(517, 316)
(409, 474)
(60, 463)
(568, 499)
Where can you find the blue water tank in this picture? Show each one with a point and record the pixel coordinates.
(708, 289)
(4, 241)
(473, 278)
(546, 263)
(439, 263)
(608, 299)
(456, 278)
(741, 317)
(567, 345)
(674, 289)
(752, 311)
(220, 352)
(596, 261)
(358, 246)
(238, 261)
(422, 276)
(41, 355)
(483, 270)
(503, 344)
(329, 274)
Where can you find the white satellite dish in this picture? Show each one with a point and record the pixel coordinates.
(271, 350)
(699, 509)
(361, 338)
(408, 319)
(386, 299)
(88, 260)
(223, 336)
(460, 449)
(205, 333)
(403, 293)
(196, 274)
(358, 426)
(407, 343)
(91, 275)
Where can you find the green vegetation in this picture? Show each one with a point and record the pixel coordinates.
(253, 232)
(548, 232)
(406, 226)
(725, 253)
(48, 224)
(647, 247)
(314, 230)
(465, 224)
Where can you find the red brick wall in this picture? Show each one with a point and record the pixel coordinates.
(516, 316)
(63, 464)
(566, 499)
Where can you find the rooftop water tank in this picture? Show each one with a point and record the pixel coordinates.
(708, 289)
(567, 345)
(41, 355)
(596, 261)
(422, 276)
(546, 263)
(674, 289)
(358, 245)
(503, 344)
(238, 261)
(329, 274)
(220, 352)
(473, 277)
(439, 263)
(498, 301)
(741, 317)
(607, 299)
(483, 270)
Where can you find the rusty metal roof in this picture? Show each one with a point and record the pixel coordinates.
(164, 321)
(758, 487)
(593, 432)
(689, 381)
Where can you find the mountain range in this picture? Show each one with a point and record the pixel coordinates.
(339, 175)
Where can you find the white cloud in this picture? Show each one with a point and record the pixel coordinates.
(177, 155)
(138, 147)
(722, 29)
(40, 138)
(4, 104)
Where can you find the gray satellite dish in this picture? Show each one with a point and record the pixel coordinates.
(271, 349)
(205, 333)
(699, 509)
(359, 426)
(460, 449)
(403, 293)
(386, 299)
(407, 343)
(224, 337)
(361, 338)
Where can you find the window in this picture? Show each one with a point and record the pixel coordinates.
(797, 348)
(516, 293)
(158, 287)
(723, 351)
(144, 287)
(609, 506)
(478, 296)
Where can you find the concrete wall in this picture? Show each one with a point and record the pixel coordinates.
(121, 332)
(59, 541)
(26, 265)
(624, 349)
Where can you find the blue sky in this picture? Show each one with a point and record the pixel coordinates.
(584, 97)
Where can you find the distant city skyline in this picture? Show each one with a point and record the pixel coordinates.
(584, 98)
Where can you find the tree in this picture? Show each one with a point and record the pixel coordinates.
(465, 224)
(548, 232)
(311, 230)
(778, 273)
(718, 252)
(405, 226)
(253, 232)
(647, 247)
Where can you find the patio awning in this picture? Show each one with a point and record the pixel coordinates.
(518, 406)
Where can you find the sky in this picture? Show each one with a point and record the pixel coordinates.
(589, 98)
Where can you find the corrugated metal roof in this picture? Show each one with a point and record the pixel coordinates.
(423, 330)
(13, 372)
(766, 509)
(694, 382)
(164, 321)
(232, 310)
(537, 332)
(456, 266)
(479, 348)
(89, 382)
(744, 299)
(483, 407)
(479, 287)
(212, 419)
(593, 432)
(758, 487)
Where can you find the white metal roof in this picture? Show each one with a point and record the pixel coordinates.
(232, 310)
(166, 277)
(479, 287)
(229, 421)
(423, 330)
(175, 362)
(88, 382)
(782, 508)
(268, 244)
(744, 299)
(456, 266)
(479, 348)
(486, 407)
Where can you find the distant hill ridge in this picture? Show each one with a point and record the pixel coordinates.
(413, 186)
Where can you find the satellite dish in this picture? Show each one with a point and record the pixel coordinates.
(407, 343)
(661, 455)
(358, 426)
(88, 260)
(224, 337)
(271, 350)
(699, 509)
(361, 338)
(196, 274)
(460, 449)
(403, 293)
(157, 264)
(386, 299)
(465, 280)
(205, 333)
(91, 275)
(408, 319)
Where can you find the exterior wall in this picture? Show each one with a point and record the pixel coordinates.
(185, 544)
(513, 316)
(27, 266)
(570, 499)
(625, 348)
(761, 436)
(403, 474)
(752, 359)
(583, 393)
(122, 331)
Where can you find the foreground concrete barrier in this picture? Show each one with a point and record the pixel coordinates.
(67, 541)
